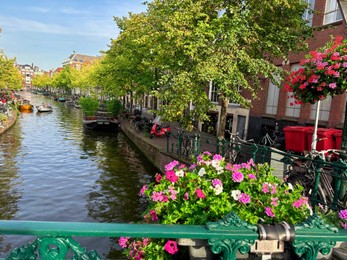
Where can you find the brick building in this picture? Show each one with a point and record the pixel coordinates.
(273, 105)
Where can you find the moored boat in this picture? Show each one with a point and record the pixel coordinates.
(25, 105)
(103, 121)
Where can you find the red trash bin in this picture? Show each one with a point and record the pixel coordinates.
(295, 138)
(338, 138)
(325, 139)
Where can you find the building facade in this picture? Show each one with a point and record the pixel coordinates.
(274, 107)
(77, 60)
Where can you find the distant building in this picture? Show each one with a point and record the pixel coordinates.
(77, 60)
(54, 71)
(28, 73)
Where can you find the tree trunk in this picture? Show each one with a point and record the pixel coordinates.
(223, 117)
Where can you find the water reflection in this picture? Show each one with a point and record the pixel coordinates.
(52, 169)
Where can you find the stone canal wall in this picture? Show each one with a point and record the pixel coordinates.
(4, 126)
(153, 149)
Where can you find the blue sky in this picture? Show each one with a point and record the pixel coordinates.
(46, 32)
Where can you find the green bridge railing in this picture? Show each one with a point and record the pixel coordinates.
(324, 181)
(226, 237)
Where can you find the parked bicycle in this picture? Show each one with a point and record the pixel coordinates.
(323, 175)
(231, 151)
(271, 137)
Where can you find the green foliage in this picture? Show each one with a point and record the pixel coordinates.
(212, 188)
(10, 76)
(114, 106)
(89, 106)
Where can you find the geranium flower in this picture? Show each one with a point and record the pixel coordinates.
(123, 241)
(245, 198)
(171, 247)
(171, 165)
(325, 67)
(171, 176)
(269, 212)
(237, 176)
(199, 193)
(143, 189)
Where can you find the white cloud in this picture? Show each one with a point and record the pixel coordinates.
(98, 28)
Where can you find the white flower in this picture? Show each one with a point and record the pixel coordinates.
(218, 189)
(220, 170)
(290, 186)
(180, 173)
(236, 194)
(202, 172)
(215, 163)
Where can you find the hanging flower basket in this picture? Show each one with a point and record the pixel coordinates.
(323, 73)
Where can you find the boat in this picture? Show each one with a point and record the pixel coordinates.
(61, 99)
(44, 108)
(102, 120)
(25, 105)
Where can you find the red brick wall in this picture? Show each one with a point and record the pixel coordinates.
(321, 36)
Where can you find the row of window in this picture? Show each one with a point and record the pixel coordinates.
(332, 12)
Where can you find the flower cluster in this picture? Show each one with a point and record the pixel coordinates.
(210, 189)
(323, 73)
(343, 218)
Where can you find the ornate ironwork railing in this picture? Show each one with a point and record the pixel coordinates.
(323, 177)
(226, 237)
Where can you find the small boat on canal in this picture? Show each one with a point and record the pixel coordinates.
(25, 105)
(103, 121)
(44, 108)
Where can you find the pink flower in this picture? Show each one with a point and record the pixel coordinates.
(273, 189)
(157, 196)
(171, 247)
(217, 157)
(143, 189)
(237, 176)
(274, 201)
(153, 214)
(158, 177)
(200, 194)
(251, 176)
(186, 196)
(298, 203)
(244, 198)
(332, 85)
(343, 214)
(265, 188)
(123, 241)
(216, 182)
(171, 165)
(268, 211)
(171, 176)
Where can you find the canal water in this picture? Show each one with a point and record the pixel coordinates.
(51, 169)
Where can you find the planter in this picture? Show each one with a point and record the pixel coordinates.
(198, 249)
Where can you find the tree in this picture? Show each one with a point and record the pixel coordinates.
(42, 81)
(230, 42)
(62, 80)
(128, 65)
(10, 76)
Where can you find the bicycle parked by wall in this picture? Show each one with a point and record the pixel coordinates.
(232, 150)
(271, 138)
(323, 175)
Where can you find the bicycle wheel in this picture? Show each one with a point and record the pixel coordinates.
(307, 182)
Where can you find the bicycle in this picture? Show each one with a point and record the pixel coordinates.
(317, 175)
(267, 140)
(234, 147)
